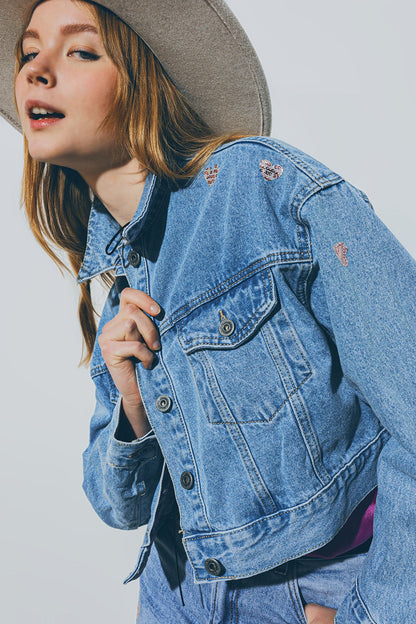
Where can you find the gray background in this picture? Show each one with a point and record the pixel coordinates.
(342, 82)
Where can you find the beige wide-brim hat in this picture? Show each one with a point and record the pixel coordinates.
(200, 44)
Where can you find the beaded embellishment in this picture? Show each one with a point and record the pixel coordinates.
(211, 174)
(269, 171)
(341, 252)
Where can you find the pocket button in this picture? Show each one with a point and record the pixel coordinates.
(227, 327)
(214, 567)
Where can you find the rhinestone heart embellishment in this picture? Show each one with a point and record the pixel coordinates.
(341, 251)
(211, 174)
(269, 171)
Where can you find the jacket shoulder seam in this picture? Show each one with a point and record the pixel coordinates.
(322, 180)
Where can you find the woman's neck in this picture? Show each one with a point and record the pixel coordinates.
(119, 188)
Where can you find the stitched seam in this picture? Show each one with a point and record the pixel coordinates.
(300, 347)
(294, 597)
(215, 422)
(288, 372)
(212, 293)
(304, 288)
(138, 462)
(293, 509)
(277, 147)
(265, 493)
(246, 329)
(302, 203)
(305, 439)
(363, 605)
(232, 606)
(259, 570)
(291, 394)
(236, 606)
(300, 198)
(98, 369)
(301, 351)
(315, 442)
(200, 355)
(213, 385)
(185, 430)
(214, 602)
(295, 389)
(247, 459)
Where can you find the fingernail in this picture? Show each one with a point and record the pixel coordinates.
(156, 345)
(154, 308)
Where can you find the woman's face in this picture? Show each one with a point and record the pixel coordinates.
(67, 73)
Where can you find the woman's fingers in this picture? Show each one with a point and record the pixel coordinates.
(130, 334)
(132, 324)
(317, 614)
(140, 299)
(115, 352)
(133, 304)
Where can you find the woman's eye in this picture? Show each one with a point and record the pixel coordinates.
(84, 55)
(26, 58)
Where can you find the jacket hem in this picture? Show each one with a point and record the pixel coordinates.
(289, 534)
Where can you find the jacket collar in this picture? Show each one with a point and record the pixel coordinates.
(102, 228)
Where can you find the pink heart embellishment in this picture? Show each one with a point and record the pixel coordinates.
(269, 171)
(341, 252)
(211, 174)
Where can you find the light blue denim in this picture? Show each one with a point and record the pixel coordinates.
(287, 366)
(168, 594)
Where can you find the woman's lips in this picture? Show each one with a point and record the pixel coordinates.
(44, 122)
(41, 114)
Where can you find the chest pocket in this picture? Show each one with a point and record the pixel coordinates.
(245, 356)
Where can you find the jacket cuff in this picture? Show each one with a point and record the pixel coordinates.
(353, 610)
(122, 453)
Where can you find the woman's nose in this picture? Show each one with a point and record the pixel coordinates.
(39, 72)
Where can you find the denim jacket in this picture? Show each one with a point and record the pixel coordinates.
(285, 388)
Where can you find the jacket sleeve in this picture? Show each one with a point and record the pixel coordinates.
(367, 282)
(120, 478)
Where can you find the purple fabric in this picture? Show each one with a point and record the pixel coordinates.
(357, 530)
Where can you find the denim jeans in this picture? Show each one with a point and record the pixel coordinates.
(168, 594)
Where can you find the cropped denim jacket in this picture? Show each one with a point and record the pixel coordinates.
(284, 391)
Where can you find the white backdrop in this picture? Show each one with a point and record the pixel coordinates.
(342, 83)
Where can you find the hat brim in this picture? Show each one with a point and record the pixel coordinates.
(201, 45)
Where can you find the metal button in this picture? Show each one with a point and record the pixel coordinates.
(134, 258)
(163, 403)
(187, 480)
(227, 327)
(214, 567)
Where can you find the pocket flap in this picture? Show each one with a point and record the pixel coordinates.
(232, 317)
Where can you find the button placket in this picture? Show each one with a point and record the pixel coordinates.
(165, 414)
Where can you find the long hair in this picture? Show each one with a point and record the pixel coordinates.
(153, 123)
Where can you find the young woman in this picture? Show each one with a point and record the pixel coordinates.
(254, 364)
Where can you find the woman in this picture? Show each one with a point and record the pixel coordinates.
(264, 347)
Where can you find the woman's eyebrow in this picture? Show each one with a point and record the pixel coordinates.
(68, 29)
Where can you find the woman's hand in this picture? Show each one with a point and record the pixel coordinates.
(129, 337)
(315, 614)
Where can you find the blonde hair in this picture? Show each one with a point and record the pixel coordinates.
(154, 124)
